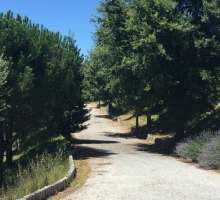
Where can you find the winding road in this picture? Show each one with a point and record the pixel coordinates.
(122, 168)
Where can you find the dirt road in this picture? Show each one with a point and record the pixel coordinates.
(122, 168)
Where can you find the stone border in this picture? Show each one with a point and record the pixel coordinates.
(58, 186)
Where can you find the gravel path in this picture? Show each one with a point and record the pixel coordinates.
(121, 168)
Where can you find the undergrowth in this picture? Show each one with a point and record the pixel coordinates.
(43, 170)
(209, 157)
(203, 149)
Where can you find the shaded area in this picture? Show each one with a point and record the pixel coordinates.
(50, 147)
(132, 116)
(164, 125)
(165, 149)
(82, 153)
(103, 116)
(140, 134)
(121, 135)
(209, 121)
(85, 152)
(81, 141)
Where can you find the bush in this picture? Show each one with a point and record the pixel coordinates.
(209, 157)
(190, 147)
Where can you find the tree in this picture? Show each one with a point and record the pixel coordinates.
(168, 52)
(185, 74)
(44, 83)
(3, 104)
(97, 76)
(116, 33)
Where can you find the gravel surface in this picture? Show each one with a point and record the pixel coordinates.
(122, 169)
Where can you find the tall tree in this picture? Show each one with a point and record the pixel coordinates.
(168, 51)
(44, 82)
(3, 104)
(185, 73)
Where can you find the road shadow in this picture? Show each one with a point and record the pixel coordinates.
(152, 148)
(81, 141)
(83, 153)
(103, 116)
(121, 135)
(131, 134)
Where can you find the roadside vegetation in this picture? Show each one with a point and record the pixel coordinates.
(203, 149)
(201, 144)
(32, 169)
(40, 101)
(155, 63)
(156, 58)
(82, 173)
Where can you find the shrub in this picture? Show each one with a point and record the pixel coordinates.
(209, 157)
(190, 147)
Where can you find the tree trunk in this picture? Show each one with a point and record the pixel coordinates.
(17, 142)
(1, 153)
(179, 129)
(110, 108)
(99, 104)
(9, 152)
(137, 116)
(149, 124)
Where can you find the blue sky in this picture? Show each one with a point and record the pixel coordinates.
(59, 15)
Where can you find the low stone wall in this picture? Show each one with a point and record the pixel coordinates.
(58, 186)
(151, 138)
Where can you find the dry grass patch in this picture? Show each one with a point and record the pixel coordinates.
(82, 173)
(130, 119)
(103, 164)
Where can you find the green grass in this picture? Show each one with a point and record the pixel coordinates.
(39, 163)
(130, 119)
(43, 170)
(82, 174)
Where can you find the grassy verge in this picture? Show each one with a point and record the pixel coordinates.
(37, 166)
(82, 173)
(129, 117)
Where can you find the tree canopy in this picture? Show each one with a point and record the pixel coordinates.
(40, 83)
(164, 51)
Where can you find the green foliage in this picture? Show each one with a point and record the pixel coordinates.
(43, 81)
(3, 90)
(96, 74)
(43, 170)
(44, 72)
(158, 52)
